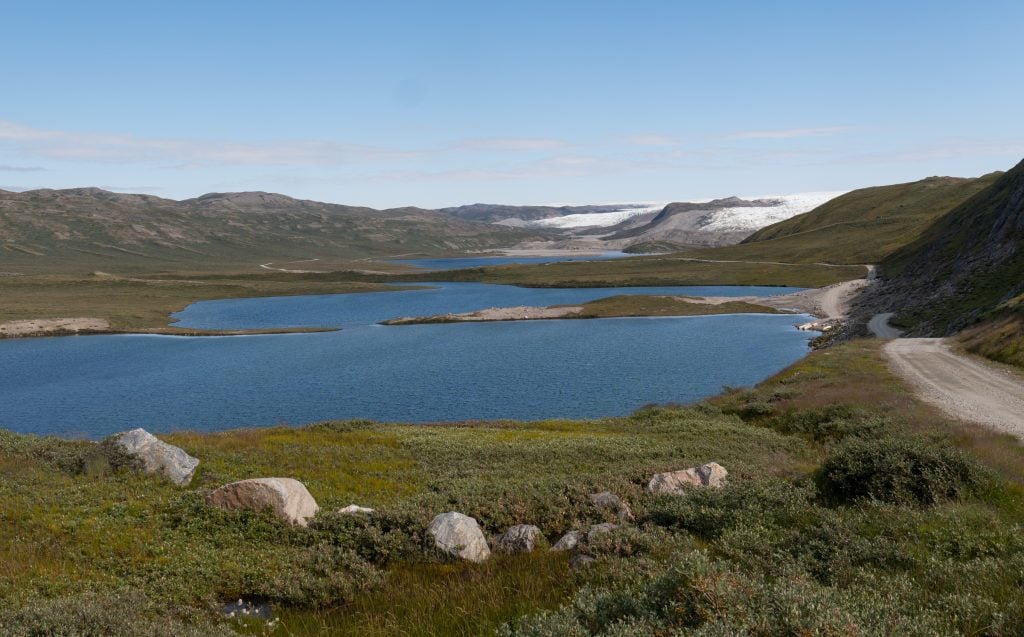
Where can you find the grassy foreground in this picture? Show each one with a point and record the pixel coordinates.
(851, 510)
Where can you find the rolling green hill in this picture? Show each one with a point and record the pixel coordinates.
(862, 226)
(965, 266)
(87, 228)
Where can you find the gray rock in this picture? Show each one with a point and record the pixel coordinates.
(600, 529)
(521, 538)
(156, 456)
(288, 498)
(608, 501)
(580, 561)
(711, 474)
(459, 535)
(568, 542)
(355, 509)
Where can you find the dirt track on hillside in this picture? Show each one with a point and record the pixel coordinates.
(965, 388)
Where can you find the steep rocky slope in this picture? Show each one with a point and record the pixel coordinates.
(965, 266)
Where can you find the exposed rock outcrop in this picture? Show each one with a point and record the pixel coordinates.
(459, 536)
(156, 456)
(711, 474)
(288, 498)
(521, 538)
(568, 542)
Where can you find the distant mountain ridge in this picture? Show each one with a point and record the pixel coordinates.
(94, 228)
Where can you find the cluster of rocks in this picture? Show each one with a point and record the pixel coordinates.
(452, 534)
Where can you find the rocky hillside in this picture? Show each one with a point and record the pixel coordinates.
(966, 265)
(89, 228)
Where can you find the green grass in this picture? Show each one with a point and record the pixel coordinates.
(645, 305)
(650, 271)
(135, 303)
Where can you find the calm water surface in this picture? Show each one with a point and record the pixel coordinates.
(91, 386)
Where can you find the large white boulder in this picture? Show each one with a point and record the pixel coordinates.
(288, 498)
(156, 456)
(459, 535)
(711, 474)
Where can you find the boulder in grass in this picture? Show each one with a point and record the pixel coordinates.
(288, 498)
(355, 509)
(579, 561)
(608, 501)
(458, 535)
(568, 542)
(156, 456)
(711, 474)
(521, 538)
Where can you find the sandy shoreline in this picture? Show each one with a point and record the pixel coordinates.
(829, 304)
(34, 328)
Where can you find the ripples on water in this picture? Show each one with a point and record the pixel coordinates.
(95, 385)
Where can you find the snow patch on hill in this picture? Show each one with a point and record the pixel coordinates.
(755, 218)
(597, 218)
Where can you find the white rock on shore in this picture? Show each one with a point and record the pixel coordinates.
(157, 456)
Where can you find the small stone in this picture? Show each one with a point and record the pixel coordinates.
(521, 538)
(600, 529)
(288, 498)
(355, 509)
(458, 535)
(157, 456)
(568, 542)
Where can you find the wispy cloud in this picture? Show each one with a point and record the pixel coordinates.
(510, 144)
(790, 133)
(20, 169)
(115, 148)
(951, 148)
(651, 140)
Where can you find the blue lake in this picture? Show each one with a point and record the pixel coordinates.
(91, 386)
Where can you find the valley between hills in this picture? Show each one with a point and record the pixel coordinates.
(843, 500)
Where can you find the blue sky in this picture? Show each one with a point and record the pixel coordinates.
(443, 103)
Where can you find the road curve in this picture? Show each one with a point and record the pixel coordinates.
(879, 326)
(966, 389)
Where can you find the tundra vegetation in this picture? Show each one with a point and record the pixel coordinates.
(849, 509)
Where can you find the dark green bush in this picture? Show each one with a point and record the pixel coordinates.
(899, 471)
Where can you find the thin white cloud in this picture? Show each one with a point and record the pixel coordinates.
(651, 140)
(510, 144)
(790, 133)
(951, 148)
(116, 149)
(20, 169)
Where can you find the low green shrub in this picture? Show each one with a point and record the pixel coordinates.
(117, 613)
(899, 471)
